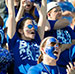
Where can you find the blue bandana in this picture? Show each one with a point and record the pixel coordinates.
(49, 49)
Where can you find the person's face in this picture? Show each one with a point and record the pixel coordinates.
(55, 13)
(29, 29)
(52, 52)
(29, 5)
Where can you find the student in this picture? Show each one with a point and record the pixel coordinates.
(50, 51)
(64, 35)
(63, 61)
(27, 9)
(67, 9)
(25, 43)
(5, 56)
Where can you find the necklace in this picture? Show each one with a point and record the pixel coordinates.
(48, 70)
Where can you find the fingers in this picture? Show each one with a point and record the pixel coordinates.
(37, 6)
(23, 3)
(69, 68)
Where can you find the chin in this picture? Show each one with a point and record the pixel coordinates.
(32, 37)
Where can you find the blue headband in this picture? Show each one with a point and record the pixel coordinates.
(49, 49)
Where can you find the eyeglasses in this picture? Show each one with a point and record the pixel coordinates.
(30, 26)
(57, 10)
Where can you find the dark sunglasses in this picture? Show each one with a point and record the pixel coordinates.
(30, 26)
(57, 10)
(53, 43)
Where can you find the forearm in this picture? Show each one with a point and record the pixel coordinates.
(20, 13)
(65, 46)
(62, 23)
(11, 10)
(42, 18)
(11, 24)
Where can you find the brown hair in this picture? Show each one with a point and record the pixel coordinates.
(42, 45)
(20, 25)
(1, 22)
(32, 12)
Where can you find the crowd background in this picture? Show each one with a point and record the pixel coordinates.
(24, 24)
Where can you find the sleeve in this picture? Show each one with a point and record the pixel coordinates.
(72, 33)
(11, 42)
(33, 70)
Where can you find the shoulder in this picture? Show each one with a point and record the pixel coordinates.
(35, 69)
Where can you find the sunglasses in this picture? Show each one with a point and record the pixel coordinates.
(30, 26)
(53, 43)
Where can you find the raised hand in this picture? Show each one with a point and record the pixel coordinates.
(70, 69)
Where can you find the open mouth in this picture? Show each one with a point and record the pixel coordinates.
(28, 5)
(55, 52)
(32, 32)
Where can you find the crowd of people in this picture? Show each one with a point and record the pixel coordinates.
(37, 37)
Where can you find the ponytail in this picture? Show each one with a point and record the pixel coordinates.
(40, 59)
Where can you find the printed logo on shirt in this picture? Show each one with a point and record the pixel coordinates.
(63, 36)
(23, 69)
(27, 51)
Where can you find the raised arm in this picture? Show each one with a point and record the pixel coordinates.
(42, 18)
(21, 10)
(11, 24)
(61, 23)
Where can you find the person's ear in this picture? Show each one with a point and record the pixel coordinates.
(42, 49)
(20, 31)
(48, 14)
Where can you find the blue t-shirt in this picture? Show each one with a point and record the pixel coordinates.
(63, 35)
(25, 53)
(46, 69)
(69, 56)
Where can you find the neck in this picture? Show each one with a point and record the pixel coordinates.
(51, 18)
(25, 38)
(50, 62)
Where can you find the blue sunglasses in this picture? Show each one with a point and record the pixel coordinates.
(31, 26)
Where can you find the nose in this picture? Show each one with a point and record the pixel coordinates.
(56, 47)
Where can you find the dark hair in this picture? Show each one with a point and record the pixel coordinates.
(1, 22)
(20, 24)
(32, 12)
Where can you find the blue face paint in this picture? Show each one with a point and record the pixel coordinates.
(49, 49)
